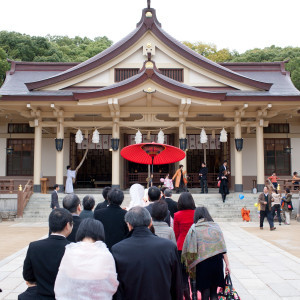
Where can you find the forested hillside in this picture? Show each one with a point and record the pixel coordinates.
(17, 46)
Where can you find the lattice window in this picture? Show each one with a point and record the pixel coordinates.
(277, 128)
(276, 160)
(20, 162)
(122, 74)
(20, 128)
(176, 74)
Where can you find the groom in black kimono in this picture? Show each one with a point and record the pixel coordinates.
(147, 265)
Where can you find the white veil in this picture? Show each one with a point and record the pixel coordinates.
(136, 192)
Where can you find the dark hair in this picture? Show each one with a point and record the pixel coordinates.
(138, 216)
(153, 193)
(295, 173)
(88, 202)
(163, 188)
(105, 192)
(186, 201)
(68, 167)
(202, 213)
(287, 190)
(225, 161)
(159, 210)
(90, 228)
(180, 166)
(58, 219)
(55, 186)
(115, 196)
(71, 202)
(168, 193)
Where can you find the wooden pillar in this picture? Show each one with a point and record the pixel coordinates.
(116, 156)
(260, 156)
(60, 156)
(37, 156)
(238, 186)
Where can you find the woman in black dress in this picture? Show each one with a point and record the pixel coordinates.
(203, 253)
(224, 191)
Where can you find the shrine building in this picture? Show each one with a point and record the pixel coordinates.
(148, 81)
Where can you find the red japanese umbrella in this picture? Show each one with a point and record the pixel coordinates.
(152, 154)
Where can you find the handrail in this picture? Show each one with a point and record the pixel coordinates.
(23, 197)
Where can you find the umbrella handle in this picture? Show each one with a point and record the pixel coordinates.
(152, 164)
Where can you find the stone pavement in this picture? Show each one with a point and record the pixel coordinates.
(260, 270)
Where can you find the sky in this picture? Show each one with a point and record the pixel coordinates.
(234, 24)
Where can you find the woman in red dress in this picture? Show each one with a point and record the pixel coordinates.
(183, 220)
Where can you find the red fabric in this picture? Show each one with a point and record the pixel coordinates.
(183, 220)
(136, 154)
(273, 178)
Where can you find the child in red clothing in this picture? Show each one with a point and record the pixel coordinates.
(245, 214)
(274, 179)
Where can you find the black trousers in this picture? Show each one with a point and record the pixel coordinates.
(276, 208)
(269, 217)
(203, 183)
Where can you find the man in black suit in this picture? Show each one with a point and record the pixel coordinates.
(72, 203)
(44, 256)
(148, 266)
(112, 218)
(54, 197)
(203, 178)
(172, 205)
(155, 195)
(105, 203)
(30, 293)
(223, 168)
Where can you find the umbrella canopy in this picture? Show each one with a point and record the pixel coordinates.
(161, 154)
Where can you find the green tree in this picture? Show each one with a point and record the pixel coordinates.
(4, 65)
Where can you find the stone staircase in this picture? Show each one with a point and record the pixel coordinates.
(38, 208)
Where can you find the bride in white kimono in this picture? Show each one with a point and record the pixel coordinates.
(69, 183)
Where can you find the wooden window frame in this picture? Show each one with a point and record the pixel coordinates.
(170, 73)
(125, 73)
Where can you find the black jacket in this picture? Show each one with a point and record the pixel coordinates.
(167, 219)
(29, 294)
(172, 206)
(86, 214)
(76, 222)
(114, 224)
(101, 205)
(148, 267)
(54, 200)
(42, 262)
(204, 172)
(221, 170)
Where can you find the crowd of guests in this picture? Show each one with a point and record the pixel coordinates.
(157, 249)
(272, 203)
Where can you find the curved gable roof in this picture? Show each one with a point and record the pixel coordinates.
(155, 75)
(145, 24)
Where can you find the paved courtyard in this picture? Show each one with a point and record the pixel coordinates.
(260, 269)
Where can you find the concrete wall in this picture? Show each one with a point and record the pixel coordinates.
(8, 202)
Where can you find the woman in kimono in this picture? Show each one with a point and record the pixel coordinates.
(167, 182)
(69, 183)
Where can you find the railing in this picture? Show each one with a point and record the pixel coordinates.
(23, 197)
(193, 180)
(7, 186)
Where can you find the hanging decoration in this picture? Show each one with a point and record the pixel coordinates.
(138, 137)
(160, 137)
(223, 136)
(95, 138)
(78, 137)
(203, 136)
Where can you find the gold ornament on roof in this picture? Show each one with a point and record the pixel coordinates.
(149, 65)
(149, 45)
(149, 89)
(148, 14)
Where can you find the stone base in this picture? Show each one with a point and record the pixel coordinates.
(115, 186)
(260, 187)
(37, 188)
(238, 188)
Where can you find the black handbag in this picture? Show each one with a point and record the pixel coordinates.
(228, 293)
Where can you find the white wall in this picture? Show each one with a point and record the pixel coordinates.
(49, 156)
(295, 157)
(2, 157)
(249, 157)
